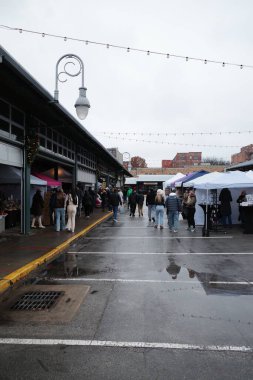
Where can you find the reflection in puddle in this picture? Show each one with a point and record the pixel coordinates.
(216, 277)
(70, 264)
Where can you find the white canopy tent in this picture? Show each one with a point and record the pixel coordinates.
(172, 179)
(236, 181)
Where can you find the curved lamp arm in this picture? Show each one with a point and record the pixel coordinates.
(82, 104)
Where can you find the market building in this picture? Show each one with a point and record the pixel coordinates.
(43, 145)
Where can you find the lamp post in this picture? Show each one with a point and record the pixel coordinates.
(82, 104)
(129, 167)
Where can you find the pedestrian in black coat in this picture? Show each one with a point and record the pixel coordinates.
(37, 209)
(225, 198)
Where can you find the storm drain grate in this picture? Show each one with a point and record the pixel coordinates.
(37, 300)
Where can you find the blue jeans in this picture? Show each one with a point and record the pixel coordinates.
(151, 211)
(159, 211)
(225, 218)
(115, 212)
(173, 219)
(60, 218)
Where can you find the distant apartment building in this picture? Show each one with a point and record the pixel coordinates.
(183, 160)
(166, 163)
(116, 153)
(245, 154)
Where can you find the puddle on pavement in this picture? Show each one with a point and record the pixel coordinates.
(224, 276)
(215, 274)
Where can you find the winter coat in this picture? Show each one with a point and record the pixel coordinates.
(150, 199)
(37, 204)
(225, 198)
(129, 192)
(173, 203)
(115, 199)
(133, 198)
(191, 201)
(87, 199)
(140, 199)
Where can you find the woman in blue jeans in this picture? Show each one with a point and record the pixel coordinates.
(159, 208)
(59, 206)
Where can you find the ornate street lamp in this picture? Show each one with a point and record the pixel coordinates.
(129, 167)
(82, 104)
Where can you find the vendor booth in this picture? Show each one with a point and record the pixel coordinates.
(11, 194)
(208, 188)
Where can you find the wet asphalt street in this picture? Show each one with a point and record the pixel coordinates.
(161, 305)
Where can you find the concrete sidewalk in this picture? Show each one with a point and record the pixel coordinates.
(20, 254)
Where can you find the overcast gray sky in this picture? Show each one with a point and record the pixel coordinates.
(136, 92)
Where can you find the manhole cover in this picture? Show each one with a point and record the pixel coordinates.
(36, 300)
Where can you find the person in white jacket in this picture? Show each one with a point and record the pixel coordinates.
(71, 205)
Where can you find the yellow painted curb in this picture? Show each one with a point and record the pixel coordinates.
(22, 272)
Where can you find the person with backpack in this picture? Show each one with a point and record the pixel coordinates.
(173, 206)
(140, 201)
(132, 203)
(150, 203)
(115, 201)
(72, 205)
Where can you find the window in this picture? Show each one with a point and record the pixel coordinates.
(12, 122)
(17, 116)
(17, 133)
(4, 109)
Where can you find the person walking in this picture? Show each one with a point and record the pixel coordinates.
(59, 206)
(190, 205)
(79, 193)
(37, 209)
(115, 201)
(225, 198)
(129, 192)
(132, 203)
(72, 205)
(184, 201)
(240, 199)
(103, 196)
(159, 208)
(140, 201)
(150, 203)
(87, 202)
(173, 206)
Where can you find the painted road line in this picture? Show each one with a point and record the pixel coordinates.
(108, 343)
(123, 280)
(22, 272)
(159, 253)
(157, 237)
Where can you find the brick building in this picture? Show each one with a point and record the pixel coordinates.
(245, 154)
(183, 159)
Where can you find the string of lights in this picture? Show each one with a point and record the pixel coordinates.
(172, 143)
(127, 48)
(175, 133)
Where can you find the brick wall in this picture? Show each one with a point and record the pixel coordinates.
(245, 154)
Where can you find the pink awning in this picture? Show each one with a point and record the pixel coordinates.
(50, 181)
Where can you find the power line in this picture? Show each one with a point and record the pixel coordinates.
(128, 49)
